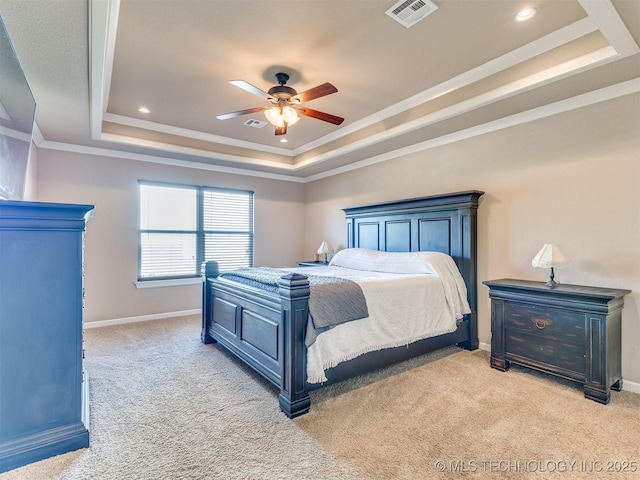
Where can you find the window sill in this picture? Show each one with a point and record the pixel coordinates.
(175, 282)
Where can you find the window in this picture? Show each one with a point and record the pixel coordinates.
(183, 226)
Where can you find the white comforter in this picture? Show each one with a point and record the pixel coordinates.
(403, 308)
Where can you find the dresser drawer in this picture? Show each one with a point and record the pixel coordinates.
(563, 358)
(546, 323)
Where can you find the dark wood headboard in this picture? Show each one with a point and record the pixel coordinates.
(442, 223)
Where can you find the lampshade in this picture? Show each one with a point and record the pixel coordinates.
(550, 256)
(325, 247)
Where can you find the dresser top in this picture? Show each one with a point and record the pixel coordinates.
(20, 215)
(561, 289)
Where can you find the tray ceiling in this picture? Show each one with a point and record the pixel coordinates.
(464, 69)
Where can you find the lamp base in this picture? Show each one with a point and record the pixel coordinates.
(552, 283)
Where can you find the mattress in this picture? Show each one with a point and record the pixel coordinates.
(403, 308)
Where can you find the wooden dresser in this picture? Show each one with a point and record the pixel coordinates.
(43, 388)
(569, 330)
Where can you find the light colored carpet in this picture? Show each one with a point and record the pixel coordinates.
(165, 406)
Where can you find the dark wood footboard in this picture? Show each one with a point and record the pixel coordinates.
(263, 329)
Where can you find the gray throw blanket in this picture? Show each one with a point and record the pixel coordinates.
(332, 300)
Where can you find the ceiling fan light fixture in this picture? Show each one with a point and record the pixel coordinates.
(278, 116)
(272, 115)
(283, 100)
(290, 115)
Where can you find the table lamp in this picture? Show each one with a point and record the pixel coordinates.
(325, 249)
(551, 256)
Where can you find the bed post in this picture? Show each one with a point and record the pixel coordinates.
(294, 294)
(209, 269)
(468, 264)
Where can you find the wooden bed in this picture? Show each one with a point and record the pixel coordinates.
(266, 330)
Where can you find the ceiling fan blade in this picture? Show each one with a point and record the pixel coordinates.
(281, 130)
(316, 92)
(226, 116)
(251, 89)
(325, 117)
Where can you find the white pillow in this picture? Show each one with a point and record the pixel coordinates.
(389, 262)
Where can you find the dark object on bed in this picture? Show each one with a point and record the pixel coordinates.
(267, 330)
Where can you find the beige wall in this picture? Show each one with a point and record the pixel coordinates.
(111, 252)
(571, 179)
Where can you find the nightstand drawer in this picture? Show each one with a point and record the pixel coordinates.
(564, 358)
(546, 323)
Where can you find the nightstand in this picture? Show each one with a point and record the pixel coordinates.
(312, 263)
(570, 331)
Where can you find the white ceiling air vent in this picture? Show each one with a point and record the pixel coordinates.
(408, 12)
(252, 122)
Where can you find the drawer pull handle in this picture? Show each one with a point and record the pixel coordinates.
(540, 324)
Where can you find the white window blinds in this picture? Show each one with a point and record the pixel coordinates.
(228, 228)
(183, 226)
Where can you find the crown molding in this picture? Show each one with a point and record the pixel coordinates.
(611, 26)
(608, 93)
(193, 134)
(106, 152)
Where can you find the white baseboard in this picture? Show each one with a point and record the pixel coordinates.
(628, 386)
(142, 318)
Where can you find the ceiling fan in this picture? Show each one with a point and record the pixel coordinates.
(285, 103)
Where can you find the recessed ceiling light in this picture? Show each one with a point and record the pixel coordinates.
(144, 110)
(284, 140)
(525, 14)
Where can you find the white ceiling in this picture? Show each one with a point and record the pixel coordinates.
(463, 70)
